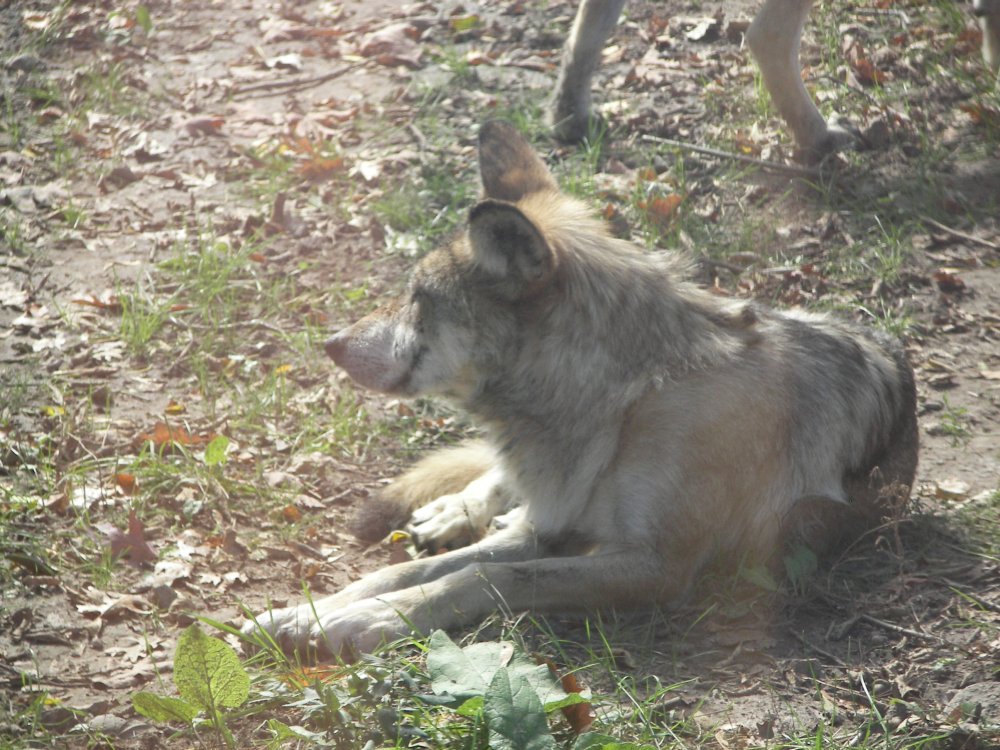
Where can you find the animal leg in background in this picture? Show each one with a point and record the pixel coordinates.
(774, 38)
(988, 12)
(570, 108)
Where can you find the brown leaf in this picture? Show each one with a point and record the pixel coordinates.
(132, 544)
(126, 482)
(320, 168)
(580, 715)
(114, 606)
(392, 46)
(165, 436)
(948, 282)
(117, 178)
(109, 302)
(663, 209)
(866, 72)
(980, 114)
(304, 676)
(204, 126)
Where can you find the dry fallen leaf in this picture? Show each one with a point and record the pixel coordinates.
(290, 61)
(131, 544)
(394, 45)
(204, 126)
(113, 606)
(580, 716)
(948, 281)
(951, 489)
(304, 676)
(126, 482)
(165, 436)
(320, 168)
(663, 209)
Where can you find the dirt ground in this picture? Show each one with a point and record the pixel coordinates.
(901, 636)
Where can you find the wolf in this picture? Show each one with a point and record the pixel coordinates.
(773, 37)
(645, 426)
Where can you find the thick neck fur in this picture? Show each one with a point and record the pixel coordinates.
(615, 323)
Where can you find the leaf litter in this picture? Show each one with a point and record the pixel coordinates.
(284, 98)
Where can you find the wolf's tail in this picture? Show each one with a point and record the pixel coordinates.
(443, 472)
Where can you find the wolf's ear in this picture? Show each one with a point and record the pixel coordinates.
(510, 168)
(509, 247)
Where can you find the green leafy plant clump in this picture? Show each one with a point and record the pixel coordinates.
(506, 691)
(209, 677)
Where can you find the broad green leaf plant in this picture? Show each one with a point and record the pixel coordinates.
(209, 678)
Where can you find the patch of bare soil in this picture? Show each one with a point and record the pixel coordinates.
(183, 122)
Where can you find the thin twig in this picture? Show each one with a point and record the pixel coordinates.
(959, 233)
(276, 88)
(720, 154)
(14, 265)
(419, 137)
(253, 323)
(978, 600)
(900, 629)
(904, 20)
(822, 652)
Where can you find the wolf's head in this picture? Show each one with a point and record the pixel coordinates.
(459, 312)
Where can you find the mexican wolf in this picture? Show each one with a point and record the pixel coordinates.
(646, 426)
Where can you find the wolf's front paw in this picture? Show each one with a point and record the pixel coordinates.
(359, 628)
(289, 627)
(450, 521)
(320, 631)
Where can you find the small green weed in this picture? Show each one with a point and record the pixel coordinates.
(209, 679)
(12, 232)
(109, 88)
(143, 315)
(955, 423)
(73, 215)
(418, 215)
(576, 172)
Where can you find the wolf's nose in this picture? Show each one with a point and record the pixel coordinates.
(335, 346)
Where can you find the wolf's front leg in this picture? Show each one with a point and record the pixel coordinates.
(626, 578)
(366, 609)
